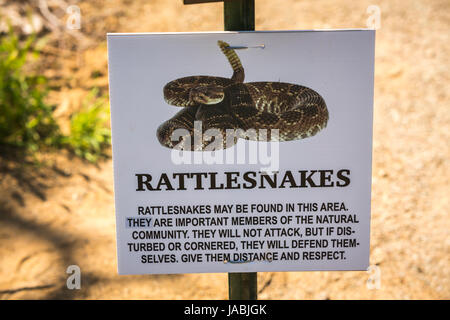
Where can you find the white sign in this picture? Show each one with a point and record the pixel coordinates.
(242, 152)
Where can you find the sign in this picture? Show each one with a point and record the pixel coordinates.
(199, 1)
(242, 152)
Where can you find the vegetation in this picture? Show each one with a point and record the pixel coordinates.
(89, 131)
(27, 121)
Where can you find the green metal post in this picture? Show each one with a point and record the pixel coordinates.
(239, 15)
(242, 286)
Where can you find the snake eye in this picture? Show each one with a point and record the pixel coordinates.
(207, 95)
(214, 97)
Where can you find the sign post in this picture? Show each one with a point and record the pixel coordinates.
(239, 15)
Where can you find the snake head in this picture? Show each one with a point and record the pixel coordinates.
(206, 94)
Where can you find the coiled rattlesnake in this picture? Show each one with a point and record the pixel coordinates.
(221, 103)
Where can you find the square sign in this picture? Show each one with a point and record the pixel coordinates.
(242, 151)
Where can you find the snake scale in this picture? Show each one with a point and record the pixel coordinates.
(221, 103)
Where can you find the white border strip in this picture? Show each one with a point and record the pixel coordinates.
(232, 32)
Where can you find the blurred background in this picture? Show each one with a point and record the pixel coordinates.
(56, 183)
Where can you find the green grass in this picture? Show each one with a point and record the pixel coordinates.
(90, 135)
(27, 121)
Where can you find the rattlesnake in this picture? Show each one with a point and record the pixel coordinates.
(296, 111)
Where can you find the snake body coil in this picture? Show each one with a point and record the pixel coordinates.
(221, 103)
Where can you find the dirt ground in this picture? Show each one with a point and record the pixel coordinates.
(62, 213)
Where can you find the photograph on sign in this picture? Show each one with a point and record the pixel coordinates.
(242, 151)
